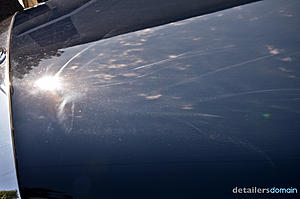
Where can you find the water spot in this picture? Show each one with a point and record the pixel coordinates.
(286, 59)
(74, 67)
(129, 74)
(187, 107)
(196, 38)
(284, 69)
(272, 50)
(153, 97)
(142, 94)
(173, 56)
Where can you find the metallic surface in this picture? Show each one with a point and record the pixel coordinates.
(190, 109)
(8, 180)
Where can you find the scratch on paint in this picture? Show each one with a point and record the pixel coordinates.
(247, 93)
(220, 70)
(226, 138)
(184, 55)
(75, 56)
(72, 118)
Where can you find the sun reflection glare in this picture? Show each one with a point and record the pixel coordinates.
(48, 83)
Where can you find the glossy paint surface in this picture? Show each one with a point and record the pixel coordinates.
(184, 110)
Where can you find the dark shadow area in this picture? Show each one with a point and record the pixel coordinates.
(39, 32)
(44, 193)
(8, 8)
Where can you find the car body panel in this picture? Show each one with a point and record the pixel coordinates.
(183, 110)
